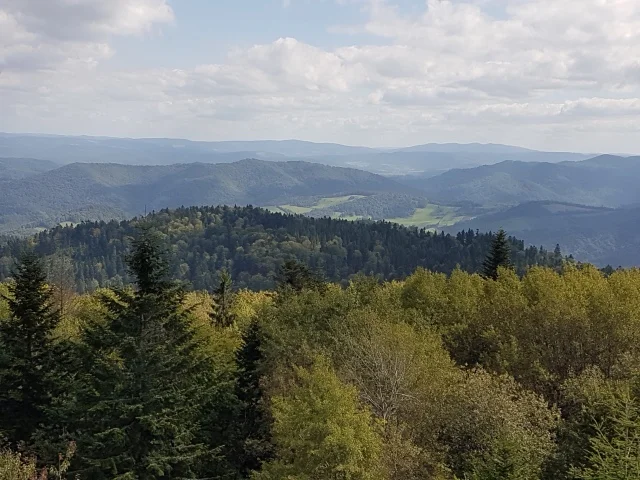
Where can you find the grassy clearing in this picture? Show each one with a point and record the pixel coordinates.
(431, 216)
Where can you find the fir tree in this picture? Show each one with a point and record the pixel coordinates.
(499, 255)
(252, 443)
(140, 398)
(222, 301)
(26, 346)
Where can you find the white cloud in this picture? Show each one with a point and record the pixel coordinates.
(537, 72)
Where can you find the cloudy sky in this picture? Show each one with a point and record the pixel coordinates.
(547, 74)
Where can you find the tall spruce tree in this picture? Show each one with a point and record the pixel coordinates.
(138, 401)
(222, 301)
(499, 255)
(252, 446)
(26, 352)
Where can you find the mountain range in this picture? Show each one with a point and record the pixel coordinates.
(588, 204)
(431, 158)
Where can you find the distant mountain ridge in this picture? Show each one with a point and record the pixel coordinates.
(166, 151)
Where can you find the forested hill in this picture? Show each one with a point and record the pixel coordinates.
(84, 191)
(253, 243)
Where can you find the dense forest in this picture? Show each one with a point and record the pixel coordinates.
(440, 376)
(252, 244)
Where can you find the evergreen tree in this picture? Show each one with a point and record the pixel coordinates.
(222, 301)
(296, 276)
(139, 399)
(252, 421)
(499, 255)
(26, 351)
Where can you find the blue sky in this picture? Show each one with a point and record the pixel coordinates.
(204, 31)
(538, 73)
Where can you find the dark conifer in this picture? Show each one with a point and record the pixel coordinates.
(26, 351)
(296, 276)
(499, 255)
(145, 382)
(252, 443)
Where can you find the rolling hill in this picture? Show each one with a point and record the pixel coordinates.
(253, 243)
(609, 181)
(103, 191)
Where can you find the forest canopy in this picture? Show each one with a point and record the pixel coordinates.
(252, 244)
(445, 376)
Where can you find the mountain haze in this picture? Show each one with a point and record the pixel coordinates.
(601, 236)
(431, 157)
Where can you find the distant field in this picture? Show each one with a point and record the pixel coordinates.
(431, 216)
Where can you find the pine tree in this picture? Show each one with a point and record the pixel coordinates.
(499, 255)
(140, 397)
(252, 437)
(27, 352)
(222, 301)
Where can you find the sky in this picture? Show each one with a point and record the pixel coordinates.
(545, 74)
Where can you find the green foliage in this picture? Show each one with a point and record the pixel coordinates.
(615, 446)
(439, 376)
(320, 431)
(27, 351)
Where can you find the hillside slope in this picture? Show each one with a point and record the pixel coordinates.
(104, 191)
(603, 181)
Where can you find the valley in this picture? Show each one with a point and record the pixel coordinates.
(579, 201)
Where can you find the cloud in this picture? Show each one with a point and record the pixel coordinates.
(537, 72)
(36, 34)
